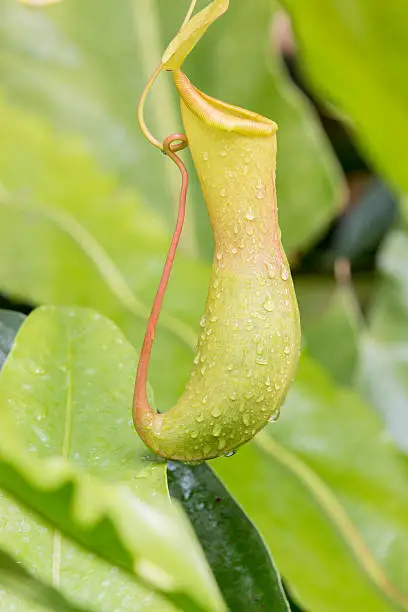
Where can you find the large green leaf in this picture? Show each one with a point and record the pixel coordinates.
(83, 65)
(383, 366)
(65, 393)
(332, 339)
(235, 551)
(68, 235)
(18, 587)
(355, 51)
(9, 323)
(327, 491)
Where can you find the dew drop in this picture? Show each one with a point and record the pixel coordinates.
(214, 319)
(249, 394)
(202, 321)
(277, 386)
(268, 304)
(218, 255)
(268, 381)
(223, 192)
(233, 396)
(286, 350)
(205, 399)
(222, 443)
(285, 273)
(206, 156)
(260, 348)
(217, 429)
(234, 250)
(274, 417)
(260, 191)
(230, 453)
(250, 214)
(216, 283)
(246, 419)
(261, 361)
(271, 270)
(200, 417)
(217, 412)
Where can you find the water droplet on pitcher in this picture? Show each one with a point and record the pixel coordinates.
(285, 274)
(261, 361)
(274, 417)
(217, 429)
(250, 214)
(206, 156)
(223, 192)
(286, 350)
(230, 453)
(268, 304)
(217, 412)
(246, 419)
(202, 321)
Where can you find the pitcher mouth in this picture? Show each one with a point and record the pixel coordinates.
(221, 115)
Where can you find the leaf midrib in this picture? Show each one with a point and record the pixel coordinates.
(332, 507)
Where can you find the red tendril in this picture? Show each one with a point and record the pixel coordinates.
(171, 145)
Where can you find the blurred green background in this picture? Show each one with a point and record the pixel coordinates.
(87, 208)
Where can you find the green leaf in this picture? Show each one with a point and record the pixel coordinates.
(84, 65)
(18, 587)
(85, 242)
(191, 33)
(327, 491)
(383, 364)
(235, 551)
(9, 323)
(332, 339)
(355, 54)
(65, 395)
